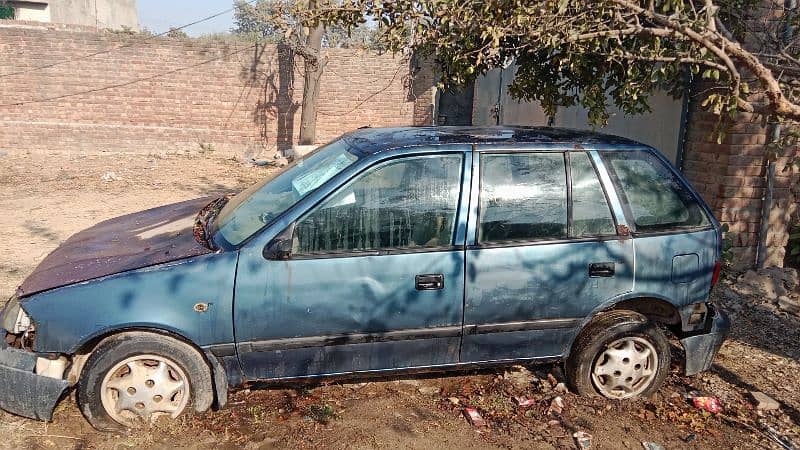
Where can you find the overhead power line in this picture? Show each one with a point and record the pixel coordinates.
(130, 82)
(113, 49)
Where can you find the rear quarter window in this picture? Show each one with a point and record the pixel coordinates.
(653, 195)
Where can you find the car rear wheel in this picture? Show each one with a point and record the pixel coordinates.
(133, 379)
(620, 355)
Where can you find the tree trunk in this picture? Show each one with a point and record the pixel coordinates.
(314, 65)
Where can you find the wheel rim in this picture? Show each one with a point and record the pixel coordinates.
(626, 368)
(144, 387)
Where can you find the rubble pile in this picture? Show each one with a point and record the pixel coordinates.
(774, 288)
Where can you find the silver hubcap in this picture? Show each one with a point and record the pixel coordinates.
(626, 368)
(144, 387)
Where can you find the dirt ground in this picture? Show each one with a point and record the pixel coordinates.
(44, 199)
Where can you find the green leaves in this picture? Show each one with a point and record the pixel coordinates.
(6, 11)
(274, 21)
(711, 74)
(567, 52)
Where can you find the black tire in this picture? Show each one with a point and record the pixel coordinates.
(596, 338)
(118, 348)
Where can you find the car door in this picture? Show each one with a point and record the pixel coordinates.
(543, 254)
(374, 279)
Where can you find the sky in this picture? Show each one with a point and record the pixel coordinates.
(159, 15)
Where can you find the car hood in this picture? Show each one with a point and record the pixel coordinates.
(129, 242)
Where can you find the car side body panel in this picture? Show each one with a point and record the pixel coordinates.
(191, 298)
(350, 314)
(676, 266)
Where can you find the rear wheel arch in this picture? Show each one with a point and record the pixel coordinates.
(605, 328)
(655, 309)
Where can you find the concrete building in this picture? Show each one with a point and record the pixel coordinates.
(662, 128)
(113, 14)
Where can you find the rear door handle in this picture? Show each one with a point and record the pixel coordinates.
(601, 269)
(429, 282)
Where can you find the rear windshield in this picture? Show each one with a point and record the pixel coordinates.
(655, 198)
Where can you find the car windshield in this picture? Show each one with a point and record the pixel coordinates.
(261, 203)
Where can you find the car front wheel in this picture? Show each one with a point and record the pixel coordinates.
(619, 355)
(133, 379)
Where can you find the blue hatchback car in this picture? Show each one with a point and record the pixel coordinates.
(387, 250)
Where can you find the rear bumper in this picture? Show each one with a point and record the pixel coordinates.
(23, 392)
(700, 349)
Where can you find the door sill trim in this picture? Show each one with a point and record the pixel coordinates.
(528, 325)
(414, 370)
(390, 336)
(349, 338)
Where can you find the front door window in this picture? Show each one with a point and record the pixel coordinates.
(408, 203)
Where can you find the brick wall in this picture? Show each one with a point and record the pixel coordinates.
(731, 176)
(172, 95)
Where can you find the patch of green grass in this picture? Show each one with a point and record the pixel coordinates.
(321, 413)
(6, 12)
(257, 412)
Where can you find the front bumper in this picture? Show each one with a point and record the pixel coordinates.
(23, 392)
(700, 349)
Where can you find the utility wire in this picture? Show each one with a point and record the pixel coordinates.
(128, 83)
(113, 49)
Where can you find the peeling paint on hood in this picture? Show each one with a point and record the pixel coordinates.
(141, 239)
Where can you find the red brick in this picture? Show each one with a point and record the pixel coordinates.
(223, 102)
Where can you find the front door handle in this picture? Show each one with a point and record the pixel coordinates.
(429, 282)
(601, 269)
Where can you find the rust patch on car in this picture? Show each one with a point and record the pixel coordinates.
(206, 216)
(623, 231)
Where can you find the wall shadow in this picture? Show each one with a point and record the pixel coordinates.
(273, 70)
(418, 84)
(276, 97)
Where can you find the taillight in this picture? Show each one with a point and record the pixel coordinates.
(717, 270)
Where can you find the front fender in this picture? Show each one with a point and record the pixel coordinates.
(161, 297)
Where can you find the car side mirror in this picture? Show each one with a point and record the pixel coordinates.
(280, 247)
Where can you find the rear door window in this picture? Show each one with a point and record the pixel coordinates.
(654, 196)
(523, 197)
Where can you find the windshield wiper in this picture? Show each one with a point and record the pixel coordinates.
(204, 219)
